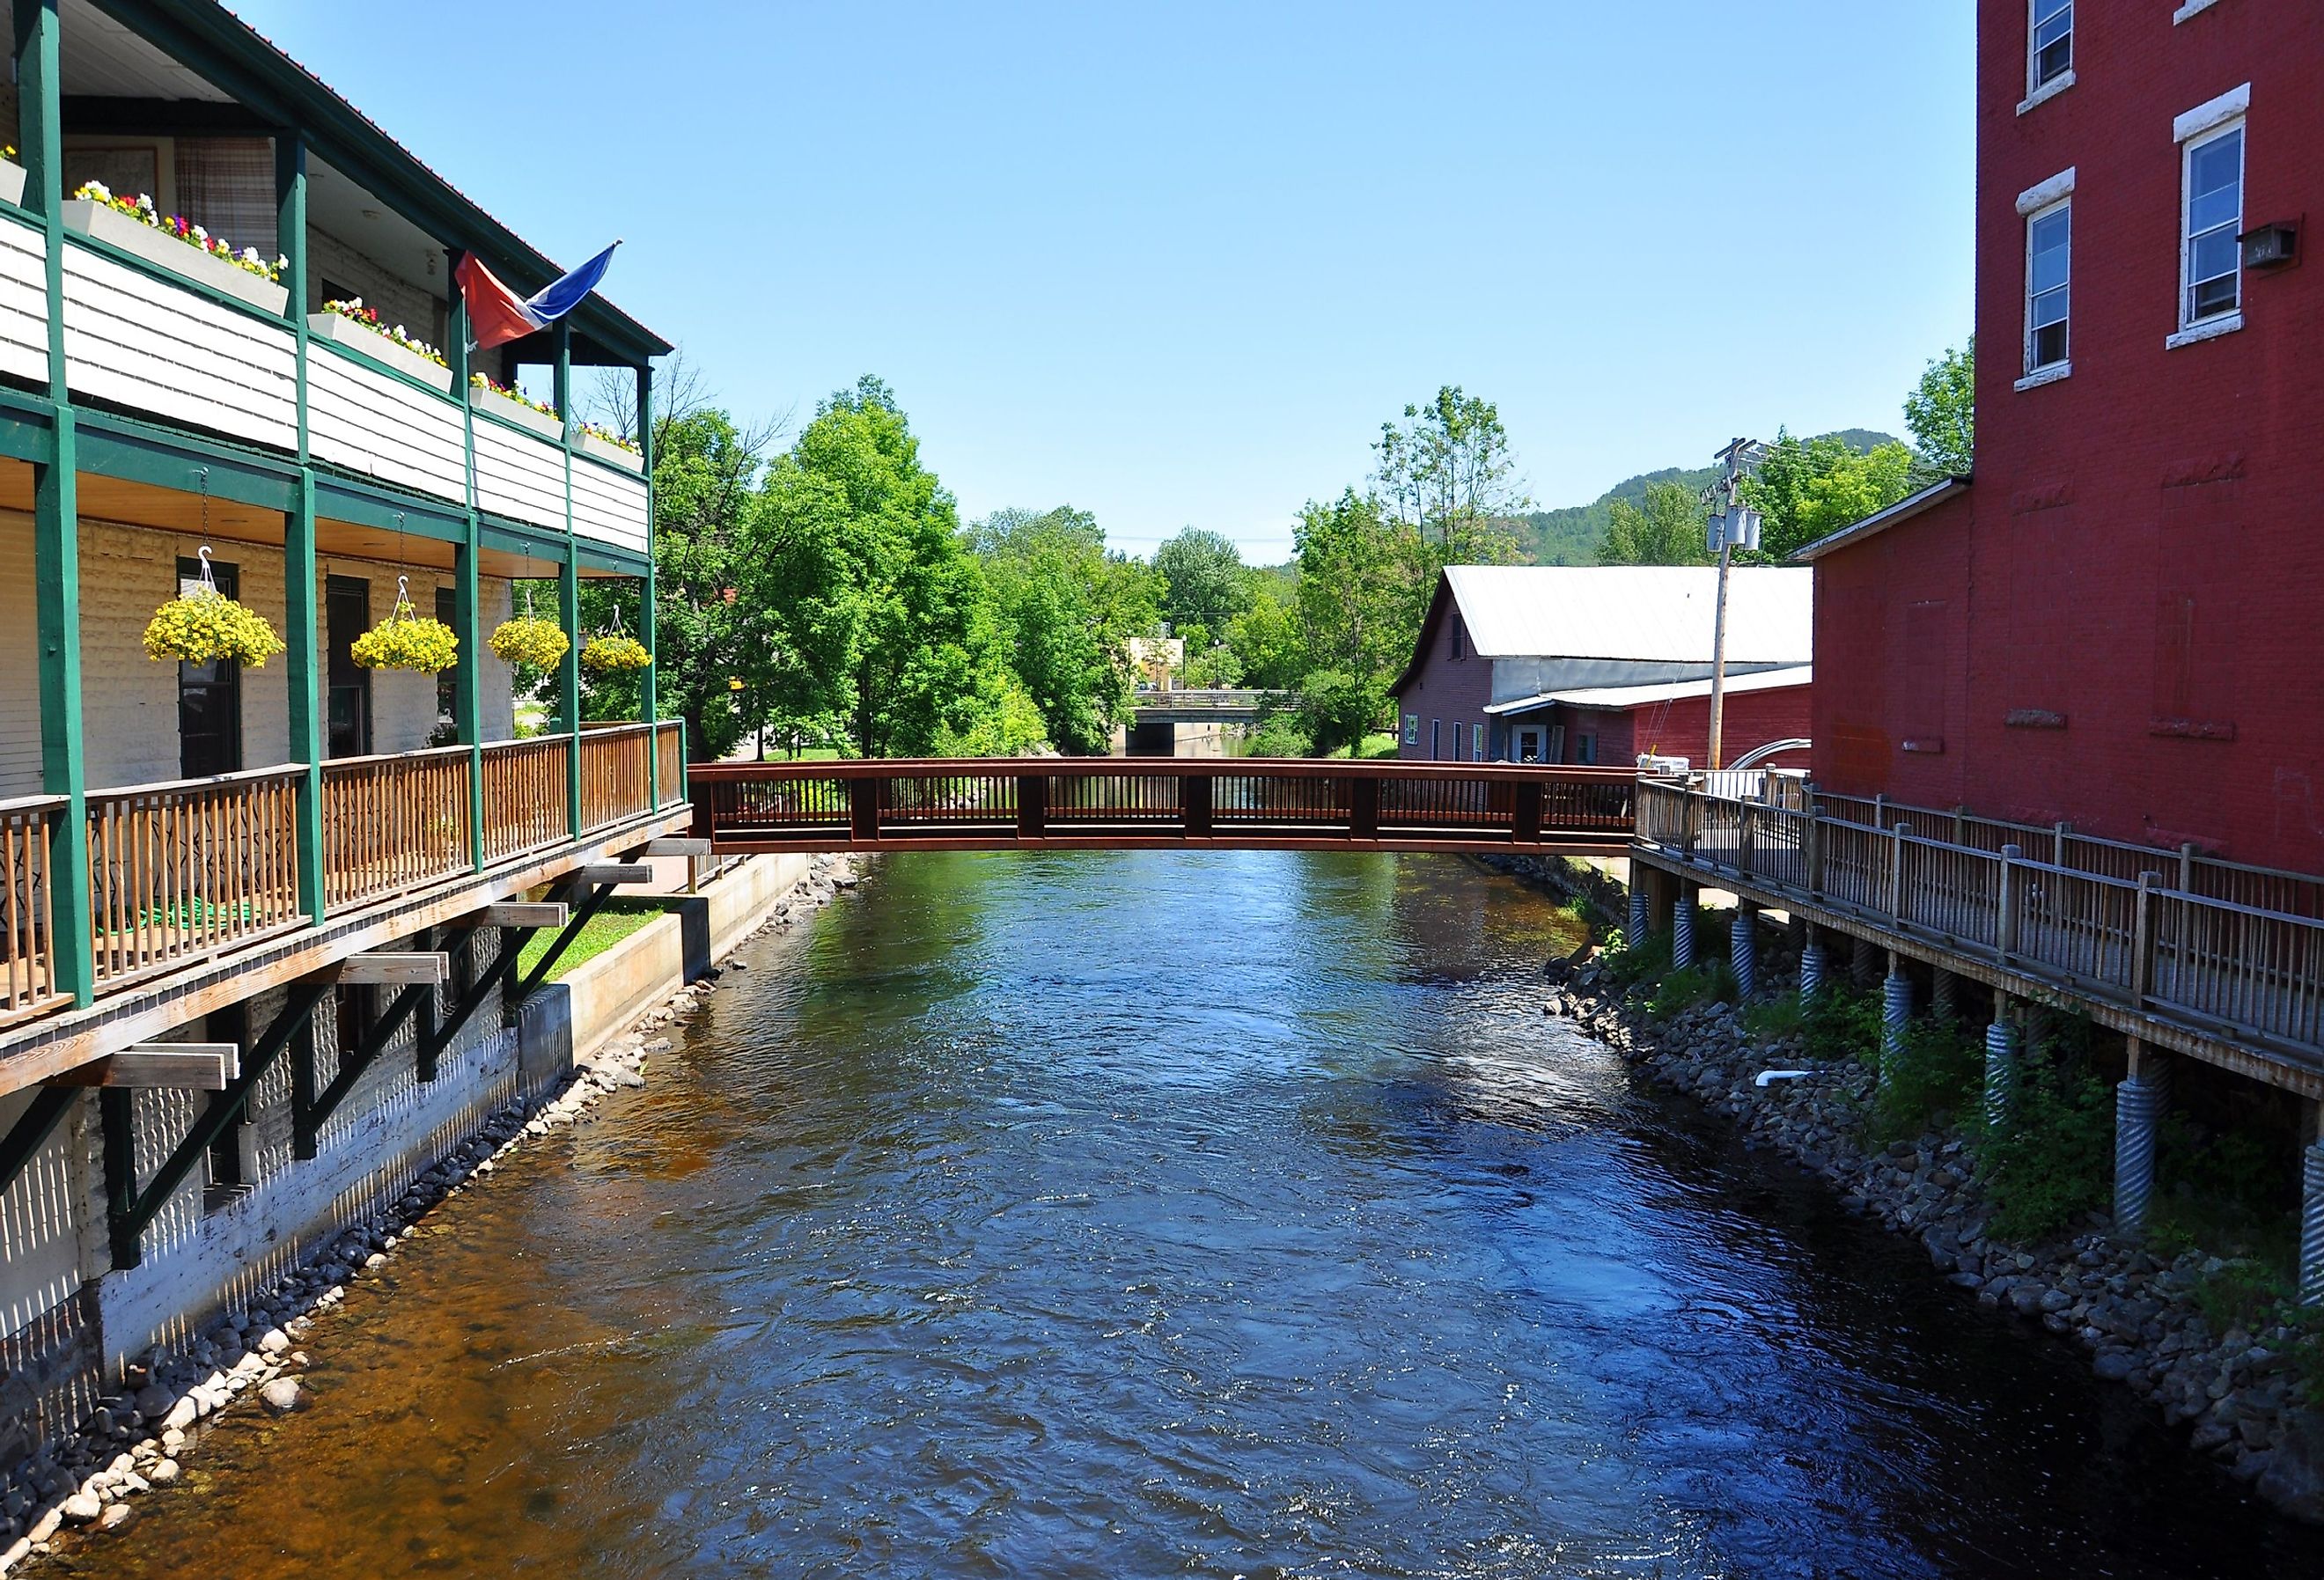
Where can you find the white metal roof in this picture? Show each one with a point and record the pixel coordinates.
(1669, 692)
(1658, 614)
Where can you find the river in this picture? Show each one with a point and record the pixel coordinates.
(1134, 1215)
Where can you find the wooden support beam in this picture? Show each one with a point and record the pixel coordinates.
(188, 1067)
(528, 914)
(308, 1113)
(676, 846)
(128, 1209)
(423, 968)
(31, 1129)
(611, 873)
(558, 945)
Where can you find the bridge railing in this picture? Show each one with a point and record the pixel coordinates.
(1294, 803)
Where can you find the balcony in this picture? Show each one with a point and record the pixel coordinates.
(190, 872)
(2161, 942)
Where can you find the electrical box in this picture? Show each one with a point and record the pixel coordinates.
(2271, 245)
(1737, 529)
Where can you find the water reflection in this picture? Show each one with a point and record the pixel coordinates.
(1217, 1215)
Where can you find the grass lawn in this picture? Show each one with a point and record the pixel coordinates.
(616, 921)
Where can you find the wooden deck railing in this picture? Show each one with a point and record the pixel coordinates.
(1132, 802)
(27, 933)
(2116, 922)
(669, 760)
(393, 822)
(527, 801)
(613, 774)
(184, 869)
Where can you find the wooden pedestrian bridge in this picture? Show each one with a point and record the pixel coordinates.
(1112, 803)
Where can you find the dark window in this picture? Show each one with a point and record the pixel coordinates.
(2053, 40)
(1460, 641)
(1585, 748)
(210, 695)
(347, 604)
(447, 681)
(1436, 738)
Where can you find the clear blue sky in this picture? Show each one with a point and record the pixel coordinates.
(1176, 264)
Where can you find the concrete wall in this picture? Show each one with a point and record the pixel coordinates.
(130, 703)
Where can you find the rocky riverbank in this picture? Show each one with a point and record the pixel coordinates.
(2236, 1393)
(134, 1442)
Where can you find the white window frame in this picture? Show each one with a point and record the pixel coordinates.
(2037, 90)
(2064, 364)
(2232, 126)
(1475, 742)
(1412, 729)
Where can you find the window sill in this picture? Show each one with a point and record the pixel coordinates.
(2047, 91)
(2209, 329)
(2193, 8)
(2048, 376)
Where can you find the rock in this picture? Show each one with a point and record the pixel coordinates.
(164, 1474)
(2112, 1365)
(115, 1516)
(81, 1508)
(153, 1402)
(2294, 1478)
(274, 1342)
(46, 1525)
(282, 1395)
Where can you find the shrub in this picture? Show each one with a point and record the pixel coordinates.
(2056, 1160)
(1781, 1016)
(1706, 984)
(1841, 1024)
(1937, 1073)
(1634, 960)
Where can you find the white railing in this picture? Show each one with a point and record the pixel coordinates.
(23, 301)
(368, 421)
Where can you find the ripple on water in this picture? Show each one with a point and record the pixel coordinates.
(1215, 1215)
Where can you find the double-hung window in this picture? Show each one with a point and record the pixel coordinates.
(2049, 257)
(2211, 215)
(2051, 51)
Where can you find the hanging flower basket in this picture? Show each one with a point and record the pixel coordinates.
(529, 644)
(202, 625)
(403, 641)
(615, 654)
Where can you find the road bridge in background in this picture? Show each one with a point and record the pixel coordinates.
(1113, 803)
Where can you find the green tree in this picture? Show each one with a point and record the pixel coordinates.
(875, 625)
(1942, 412)
(1666, 528)
(1203, 580)
(1364, 582)
(1069, 607)
(1265, 638)
(1807, 488)
(1448, 473)
(705, 475)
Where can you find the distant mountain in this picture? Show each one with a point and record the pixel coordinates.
(1571, 535)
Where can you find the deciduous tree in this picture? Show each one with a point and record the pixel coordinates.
(1666, 529)
(1942, 412)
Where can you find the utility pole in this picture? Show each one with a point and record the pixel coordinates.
(1731, 526)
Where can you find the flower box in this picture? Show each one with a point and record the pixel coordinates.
(12, 181)
(549, 428)
(102, 223)
(343, 331)
(607, 450)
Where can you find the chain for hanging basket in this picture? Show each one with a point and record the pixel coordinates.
(204, 626)
(404, 641)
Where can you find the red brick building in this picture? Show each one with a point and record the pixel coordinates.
(2117, 622)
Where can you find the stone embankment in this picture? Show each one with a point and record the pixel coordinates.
(134, 1442)
(2236, 1392)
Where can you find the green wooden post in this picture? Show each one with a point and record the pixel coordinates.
(468, 680)
(568, 575)
(56, 518)
(302, 635)
(649, 677)
(568, 678)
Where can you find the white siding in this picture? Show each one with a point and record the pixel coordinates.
(148, 345)
(520, 475)
(362, 419)
(609, 505)
(20, 669)
(23, 301)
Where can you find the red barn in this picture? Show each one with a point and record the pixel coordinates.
(1536, 663)
(2116, 622)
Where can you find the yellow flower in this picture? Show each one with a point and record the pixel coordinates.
(207, 626)
(404, 642)
(606, 653)
(531, 643)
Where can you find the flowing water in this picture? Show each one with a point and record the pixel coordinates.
(1141, 1214)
